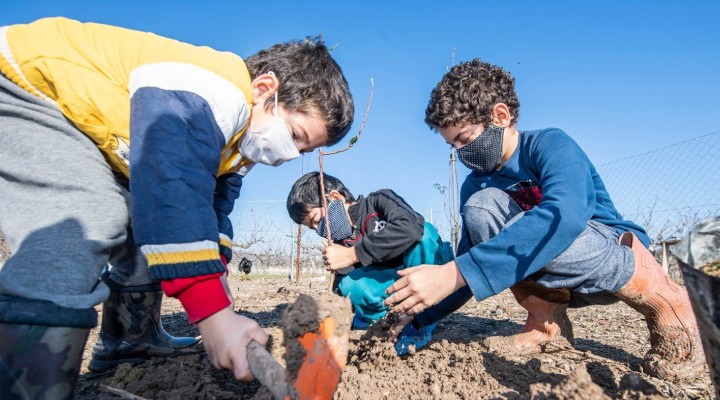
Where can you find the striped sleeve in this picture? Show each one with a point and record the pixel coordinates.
(227, 103)
(181, 118)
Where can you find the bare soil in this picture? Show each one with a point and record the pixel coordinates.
(605, 362)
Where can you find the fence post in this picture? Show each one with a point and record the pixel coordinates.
(665, 253)
(298, 254)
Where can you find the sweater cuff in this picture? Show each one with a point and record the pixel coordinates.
(475, 277)
(179, 260)
(201, 296)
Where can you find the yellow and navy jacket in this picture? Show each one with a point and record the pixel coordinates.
(166, 114)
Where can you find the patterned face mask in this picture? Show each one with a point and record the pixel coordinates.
(339, 222)
(484, 154)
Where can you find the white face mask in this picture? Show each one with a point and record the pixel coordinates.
(271, 145)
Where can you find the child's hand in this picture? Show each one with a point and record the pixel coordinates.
(423, 286)
(338, 257)
(400, 324)
(226, 336)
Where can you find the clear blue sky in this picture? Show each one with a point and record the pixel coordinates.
(620, 77)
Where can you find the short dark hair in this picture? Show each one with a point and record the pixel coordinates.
(305, 194)
(310, 80)
(467, 94)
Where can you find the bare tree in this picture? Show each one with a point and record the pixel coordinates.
(311, 250)
(660, 229)
(257, 236)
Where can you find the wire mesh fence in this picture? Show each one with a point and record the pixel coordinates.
(670, 189)
(265, 235)
(666, 191)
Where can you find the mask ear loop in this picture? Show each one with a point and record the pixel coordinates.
(276, 95)
(276, 106)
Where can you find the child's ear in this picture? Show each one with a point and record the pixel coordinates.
(335, 195)
(264, 86)
(501, 115)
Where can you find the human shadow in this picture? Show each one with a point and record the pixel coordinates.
(610, 352)
(614, 386)
(54, 263)
(604, 377)
(518, 376)
(177, 324)
(266, 319)
(461, 328)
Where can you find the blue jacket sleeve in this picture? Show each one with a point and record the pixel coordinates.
(546, 230)
(174, 156)
(227, 190)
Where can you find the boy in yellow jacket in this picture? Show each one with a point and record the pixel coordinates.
(128, 149)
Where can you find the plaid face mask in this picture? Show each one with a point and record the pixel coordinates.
(339, 223)
(484, 154)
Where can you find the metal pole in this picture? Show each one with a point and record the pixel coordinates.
(455, 193)
(297, 255)
(454, 201)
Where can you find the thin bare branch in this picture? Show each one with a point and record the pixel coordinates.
(322, 174)
(327, 214)
(362, 126)
(121, 393)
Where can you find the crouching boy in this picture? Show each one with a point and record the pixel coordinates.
(373, 238)
(538, 220)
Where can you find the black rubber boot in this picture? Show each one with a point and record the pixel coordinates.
(131, 331)
(40, 362)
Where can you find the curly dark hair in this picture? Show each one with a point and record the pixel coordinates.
(467, 94)
(310, 80)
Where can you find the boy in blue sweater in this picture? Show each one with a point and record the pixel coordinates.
(537, 219)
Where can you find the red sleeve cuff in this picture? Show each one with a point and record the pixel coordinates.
(201, 296)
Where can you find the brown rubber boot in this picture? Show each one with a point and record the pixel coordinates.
(675, 351)
(547, 321)
(131, 331)
(40, 362)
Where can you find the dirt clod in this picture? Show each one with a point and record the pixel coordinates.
(577, 385)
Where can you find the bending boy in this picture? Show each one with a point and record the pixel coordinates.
(126, 148)
(537, 219)
(373, 238)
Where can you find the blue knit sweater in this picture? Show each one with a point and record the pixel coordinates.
(570, 193)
